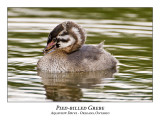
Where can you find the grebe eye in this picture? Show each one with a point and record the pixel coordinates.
(54, 39)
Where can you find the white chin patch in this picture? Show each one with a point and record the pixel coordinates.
(66, 44)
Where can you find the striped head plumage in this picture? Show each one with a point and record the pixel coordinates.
(67, 36)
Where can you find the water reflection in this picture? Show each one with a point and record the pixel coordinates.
(67, 86)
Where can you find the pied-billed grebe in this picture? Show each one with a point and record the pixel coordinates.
(66, 52)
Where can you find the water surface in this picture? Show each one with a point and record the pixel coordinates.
(128, 36)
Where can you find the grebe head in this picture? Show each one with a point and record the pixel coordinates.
(67, 36)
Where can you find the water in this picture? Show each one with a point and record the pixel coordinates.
(128, 35)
